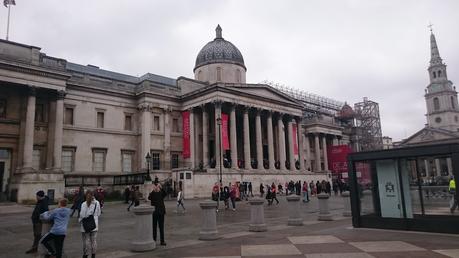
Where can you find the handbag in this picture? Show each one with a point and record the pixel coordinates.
(89, 223)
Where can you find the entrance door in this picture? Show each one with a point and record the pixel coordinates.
(389, 189)
(2, 174)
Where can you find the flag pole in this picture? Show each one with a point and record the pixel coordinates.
(8, 22)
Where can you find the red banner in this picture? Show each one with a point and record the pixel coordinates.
(295, 140)
(225, 141)
(337, 159)
(186, 134)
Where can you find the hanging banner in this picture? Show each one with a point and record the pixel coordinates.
(186, 134)
(225, 140)
(295, 140)
(337, 159)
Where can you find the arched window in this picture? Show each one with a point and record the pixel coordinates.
(436, 103)
(435, 75)
(238, 75)
(219, 74)
(200, 75)
(453, 102)
(439, 73)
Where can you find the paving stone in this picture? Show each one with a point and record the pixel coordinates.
(327, 248)
(339, 255)
(408, 254)
(386, 246)
(448, 252)
(267, 250)
(237, 234)
(322, 239)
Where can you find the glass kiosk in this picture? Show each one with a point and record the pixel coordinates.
(405, 188)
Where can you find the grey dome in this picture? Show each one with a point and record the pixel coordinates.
(219, 51)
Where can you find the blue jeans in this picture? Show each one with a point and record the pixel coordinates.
(305, 197)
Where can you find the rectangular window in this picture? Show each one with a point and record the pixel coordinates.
(155, 161)
(128, 122)
(156, 123)
(98, 160)
(100, 119)
(175, 125)
(36, 159)
(127, 161)
(39, 113)
(68, 116)
(2, 108)
(174, 161)
(68, 159)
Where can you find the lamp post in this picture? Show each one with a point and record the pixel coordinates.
(219, 123)
(148, 159)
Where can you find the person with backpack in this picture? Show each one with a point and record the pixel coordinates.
(60, 218)
(90, 211)
(40, 207)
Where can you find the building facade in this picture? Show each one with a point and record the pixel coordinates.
(61, 121)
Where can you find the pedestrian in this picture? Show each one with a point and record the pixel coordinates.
(180, 200)
(273, 194)
(232, 196)
(60, 218)
(100, 196)
(226, 196)
(279, 188)
(311, 188)
(156, 198)
(242, 191)
(215, 192)
(452, 191)
(40, 207)
(268, 195)
(328, 187)
(286, 188)
(335, 187)
(250, 189)
(262, 190)
(305, 192)
(78, 199)
(318, 187)
(91, 207)
(135, 198)
(126, 194)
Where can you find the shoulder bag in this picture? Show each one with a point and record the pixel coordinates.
(89, 223)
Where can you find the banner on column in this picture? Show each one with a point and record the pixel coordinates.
(186, 134)
(337, 159)
(295, 140)
(226, 145)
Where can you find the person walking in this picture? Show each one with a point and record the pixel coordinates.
(60, 218)
(452, 191)
(135, 198)
(100, 196)
(305, 192)
(250, 189)
(40, 207)
(156, 198)
(262, 190)
(273, 194)
(232, 195)
(311, 188)
(77, 201)
(180, 201)
(91, 207)
(127, 192)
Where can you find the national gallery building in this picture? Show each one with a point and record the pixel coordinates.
(63, 124)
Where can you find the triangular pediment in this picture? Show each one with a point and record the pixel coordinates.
(265, 91)
(429, 135)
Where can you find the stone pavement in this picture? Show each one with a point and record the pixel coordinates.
(314, 239)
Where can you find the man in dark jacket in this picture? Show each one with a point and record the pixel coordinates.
(40, 207)
(156, 198)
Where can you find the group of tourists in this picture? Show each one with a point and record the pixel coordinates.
(89, 210)
(229, 193)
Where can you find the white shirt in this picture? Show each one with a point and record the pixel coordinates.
(87, 211)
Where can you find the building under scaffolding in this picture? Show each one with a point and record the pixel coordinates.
(368, 124)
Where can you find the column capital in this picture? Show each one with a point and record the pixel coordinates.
(217, 103)
(246, 109)
(145, 107)
(32, 91)
(167, 108)
(60, 95)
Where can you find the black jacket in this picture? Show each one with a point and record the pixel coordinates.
(157, 200)
(40, 207)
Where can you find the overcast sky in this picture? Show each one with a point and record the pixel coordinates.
(340, 49)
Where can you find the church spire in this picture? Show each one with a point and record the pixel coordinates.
(218, 32)
(435, 58)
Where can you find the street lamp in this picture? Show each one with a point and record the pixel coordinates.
(219, 123)
(148, 159)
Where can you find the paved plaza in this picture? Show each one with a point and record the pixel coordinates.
(315, 239)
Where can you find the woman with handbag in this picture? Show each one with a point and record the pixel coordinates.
(89, 220)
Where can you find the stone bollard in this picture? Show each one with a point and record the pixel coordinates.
(257, 215)
(46, 226)
(143, 234)
(208, 221)
(347, 204)
(294, 214)
(324, 213)
(367, 202)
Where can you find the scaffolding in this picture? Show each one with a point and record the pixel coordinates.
(311, 101)
(369, 124)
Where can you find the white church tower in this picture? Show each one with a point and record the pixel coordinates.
(441, 95)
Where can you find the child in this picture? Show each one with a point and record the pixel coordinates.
(180, 200)
(60, 216)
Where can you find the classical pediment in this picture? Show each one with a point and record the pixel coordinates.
(264, 91)
(429, 135)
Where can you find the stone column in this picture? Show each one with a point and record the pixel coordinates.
(300, 136)
(259, 141)
(449, 163)
(233, 135)
(145, 138)
(317, 152)
(192, 140)
(257, 215)
(143, 234)
(167, 137)
(346, 204)
(335, 140)
(205, 137)
(269, 124)
(291, 157)
(324, 212)
(218, 147)
(246, 139)
(427, 166)
(308, 152)
(58, 130)
(437, 167)
(294, 214)
(324, 148)
(208, 221)
(29, 130)
(280, 127)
